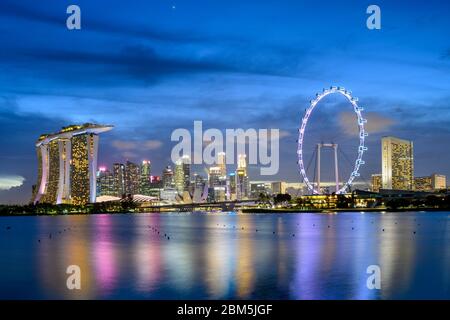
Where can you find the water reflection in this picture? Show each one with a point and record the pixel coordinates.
(245, 273)
(105, 255)
(196, 256)
(64, 242)
(147, 256)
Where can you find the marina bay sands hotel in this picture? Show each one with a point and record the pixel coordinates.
(67, 163)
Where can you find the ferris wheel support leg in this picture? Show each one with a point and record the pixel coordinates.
(336, 168)
(319, 145)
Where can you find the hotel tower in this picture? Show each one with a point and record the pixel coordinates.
(67, 164)
(397, 164)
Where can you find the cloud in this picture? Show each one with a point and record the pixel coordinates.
(127, 64)
(129, 154)
(134, 149)
(376, 123)
(124, 145)
(446, 54)
(281, 134)
(127, 145)
(24, 12)
(152, 144)
(8, 182)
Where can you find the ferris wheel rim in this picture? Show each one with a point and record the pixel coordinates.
(362, 135)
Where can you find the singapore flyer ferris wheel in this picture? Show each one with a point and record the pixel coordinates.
(341, 187)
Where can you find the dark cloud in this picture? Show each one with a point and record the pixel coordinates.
(132, 63)
(446, 54)
(55, 15)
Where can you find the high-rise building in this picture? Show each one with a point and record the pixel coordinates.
(397, 164)
(214, 176)
(200, 189)
(132, 178)
(155, 187)
(183, 173)
(232, 185)
(439, 181)
(435, 182)
(167, 178)
(221, 163)
(242, 181)
(217, 184)
(67, 164)
(105, 182)
(119, 179)
(179, 176)
(376, 182)
(144, 182)
(186, 172)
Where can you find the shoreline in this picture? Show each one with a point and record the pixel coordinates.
(247, 211)
(381, 210)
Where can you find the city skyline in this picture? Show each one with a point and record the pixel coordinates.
(57, 169)
(176, 66)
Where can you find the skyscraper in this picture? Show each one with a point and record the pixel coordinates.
(242, 182)
(186, 172)
(217, 190)
(144, 183)
(214, 177)
(119, 179)
(200, 189)
(105, 182)
(183, 173)
(179, 176)
(232, 185)
(132, 178)
(67, 164)
(167, 178)
(221, 163)
(397, 164)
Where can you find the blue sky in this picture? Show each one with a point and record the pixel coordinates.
(149, 67)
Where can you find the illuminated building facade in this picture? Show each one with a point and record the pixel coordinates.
(167, 178)
(132, 178)
(232, 185)
(217, 184)
(179, 176)
(145, 179)
(435, 182)
(105, 182)
(397, 164)
(67, 163)
(221, 163)
(119, 179)
(376, 183)
(242, 181)
(186, 172)
(439, 181)
(183, 173)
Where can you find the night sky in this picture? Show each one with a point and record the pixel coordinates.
(149, 67)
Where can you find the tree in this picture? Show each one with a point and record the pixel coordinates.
(280, 198)
(396, 203)
(433, 201)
